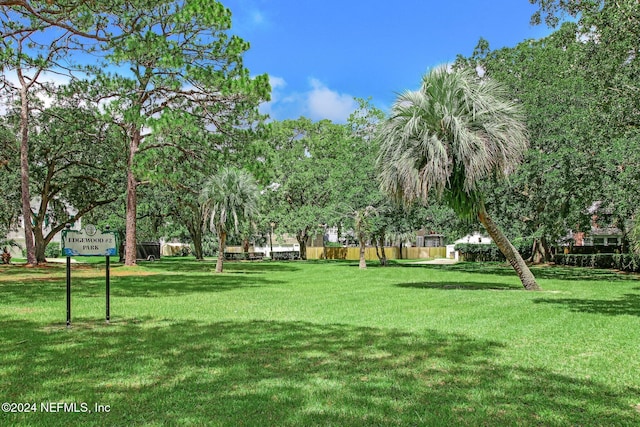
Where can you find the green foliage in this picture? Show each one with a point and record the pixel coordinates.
(579, 96)
(580, 89)
(430, 141)
(10, 183)
(472, 252)
(228, 198)
(622, 262)
(53, 250)
(475, 252)
(310, 165)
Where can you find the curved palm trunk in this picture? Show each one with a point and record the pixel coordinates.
(510, 252)
(222, 241)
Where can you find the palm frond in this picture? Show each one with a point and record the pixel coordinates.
(453, 132)
(228, 197)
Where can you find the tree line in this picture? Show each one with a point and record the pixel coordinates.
(159, 101)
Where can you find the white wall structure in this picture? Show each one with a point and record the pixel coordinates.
(476, 238)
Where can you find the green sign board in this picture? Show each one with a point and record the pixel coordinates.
(89, 242)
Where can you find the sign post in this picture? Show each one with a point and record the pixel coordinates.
(88, 242)
(108, 284)
(68, 226)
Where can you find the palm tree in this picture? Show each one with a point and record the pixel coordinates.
(227, 198)
(445, 138)
(362, 224)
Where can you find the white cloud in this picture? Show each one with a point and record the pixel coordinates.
(324, 103)
(318, 102)
(277, 83)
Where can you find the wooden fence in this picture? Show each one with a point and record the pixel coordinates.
(392, 252)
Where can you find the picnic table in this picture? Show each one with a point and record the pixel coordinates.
(243, 256)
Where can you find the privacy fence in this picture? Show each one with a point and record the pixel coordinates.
(392, 252)
(350, 253)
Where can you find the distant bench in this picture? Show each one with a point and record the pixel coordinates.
(285, 255)
(243, 256)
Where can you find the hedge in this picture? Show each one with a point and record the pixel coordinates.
(478, 252)
(623, 262)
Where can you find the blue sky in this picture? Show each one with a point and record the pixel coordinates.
(321, 54)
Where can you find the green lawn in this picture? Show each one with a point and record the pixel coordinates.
(297, 344)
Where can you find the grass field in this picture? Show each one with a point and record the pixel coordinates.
(304, 343)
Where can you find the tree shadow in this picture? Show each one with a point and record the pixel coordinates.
(628, 304)
(465, 286)
(145, 285)
(194, 266)
(153, 372)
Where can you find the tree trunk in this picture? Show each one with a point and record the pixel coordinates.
(222, 241)
(197, 246)
(507, 249)
(546, 250)
(536, 252)
(324, 242)
(195, 227)
(363, 261)
(132, 202)
(24, 177)
(383, 259)
(540, 252)
(40, 244)
(301, 237)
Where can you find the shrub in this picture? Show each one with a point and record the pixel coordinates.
(623, 262)
(476, 252)
(52, 250)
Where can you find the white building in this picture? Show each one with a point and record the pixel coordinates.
(476, 238)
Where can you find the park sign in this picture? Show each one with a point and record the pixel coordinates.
(89, 242)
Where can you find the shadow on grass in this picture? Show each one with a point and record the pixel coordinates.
(288, 374)
(191, 266)
(628, 304)
(465, 286)
(150, 285)
(541, 272)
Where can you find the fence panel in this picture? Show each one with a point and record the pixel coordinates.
(392, 252)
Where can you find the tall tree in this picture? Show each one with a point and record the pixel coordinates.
(184, 179)
(73, 165)
(184, 69)
(10, 183)
(306, 160)
(447, 137)
(23, 51)
(229, 197)
(608, 34)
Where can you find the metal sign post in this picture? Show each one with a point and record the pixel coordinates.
(68, 287)
(88, 242)
(108, 284)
